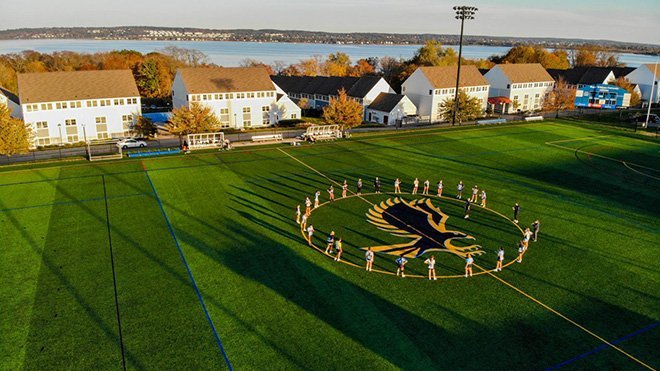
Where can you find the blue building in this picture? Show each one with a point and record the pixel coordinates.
(602, 96)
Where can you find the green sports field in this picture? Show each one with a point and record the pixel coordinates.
(196, 262)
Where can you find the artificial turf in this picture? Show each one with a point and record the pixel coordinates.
(159, 231)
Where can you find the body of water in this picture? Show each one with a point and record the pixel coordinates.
(226, 53)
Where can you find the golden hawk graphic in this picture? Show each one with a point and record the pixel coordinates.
(420, 221)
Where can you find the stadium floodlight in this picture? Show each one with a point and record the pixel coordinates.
(463, 13)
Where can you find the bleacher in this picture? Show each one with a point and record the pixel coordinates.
(322, 132)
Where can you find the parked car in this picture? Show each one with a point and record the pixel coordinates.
(131, 143)
(653, 118)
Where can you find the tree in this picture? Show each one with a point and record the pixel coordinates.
(303, 103)
(534, 54)
(562, 97)
(249, 62)
(337, 64)
(635, 99)
(343, 111)
(309, 67)
(195, 119)
(15, 136)
(144, 126)
(362, 68)
(469, 108)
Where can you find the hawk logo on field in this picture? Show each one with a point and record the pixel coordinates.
(420, 221)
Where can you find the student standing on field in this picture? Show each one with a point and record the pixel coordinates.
(330, 242)
(310, 234)
(401, 262)
(483, 198)
(298, 214)
(440, 186)
(331, 192)
(377, 185)
(459, 190)
(536, 226)
(469, 260)
(468, 206)
(431, 264)
(344, 189)
(475, 193)
(397, 186)
(527, 235)
(516, 210)
(500, 259)
(521, 251)
(339, 249)
(303, 221)
(427, 184)
(359, 186)
(369, 257)
(415, 186)
(317, 195)
(308, 206)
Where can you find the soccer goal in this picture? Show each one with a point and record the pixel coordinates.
(206, 140)
(101, 152)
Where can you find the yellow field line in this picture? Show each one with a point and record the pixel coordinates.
(547, 307)
(639, 172)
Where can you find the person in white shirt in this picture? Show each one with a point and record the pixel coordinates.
(316, 199)
(427, 184)
(483, 198)
(440, 186)
(308, 206)
(475, 192)
(369, 257)
(431, 264)
(469, 260)
(459, 190)
(303, 221)
(344, 189)
(397, 186)
(415, 186)
(298, 214)
(310, 234)
(500, 259)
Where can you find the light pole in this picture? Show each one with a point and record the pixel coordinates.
(59, 127)
(648, 111)
(462, 13)
(89, 152)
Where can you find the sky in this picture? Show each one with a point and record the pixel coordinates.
(621, 20)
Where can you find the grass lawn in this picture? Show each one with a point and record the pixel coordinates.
(191, 262)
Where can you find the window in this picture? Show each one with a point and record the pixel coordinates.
(508, 86)
(32, 107)
(105, 102)
(240, 95)
(72, 138)
(127, 121)
(92, 103)
(265, 115)
(430, 92)
(43, 141)
(194, 98)
(229, 96)
(46, 106)
(271, 94)
(77, 104)
(218, 96)
(70, 122)
(224, 117)
(119, 102)
(294, 116)
(41, 124)
(260, 94)
(250, 95)
(102, 134)
(61, 105)
(101, 120)
(247, 117)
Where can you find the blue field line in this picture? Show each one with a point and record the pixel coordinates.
(604, 346)
(74, 202)
(190, 274)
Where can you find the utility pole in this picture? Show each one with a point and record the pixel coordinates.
(648, 111)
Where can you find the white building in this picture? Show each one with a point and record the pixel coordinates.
(429, 87)
(66, 107)
(318, 90)
(12, 102)
(643, 77)
(390, 109)
(524, 85)
(241, 97)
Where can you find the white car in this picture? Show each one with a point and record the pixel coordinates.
(131, 143)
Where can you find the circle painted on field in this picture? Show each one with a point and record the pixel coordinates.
(421, 227)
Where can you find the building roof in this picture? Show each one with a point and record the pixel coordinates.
(445, 77)
(524, 72)
(622, 71)
(582, 75)
(386, 102)
(652, 66)
(357, 87)
(76, 85)
(11, 96)
(225, 80)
